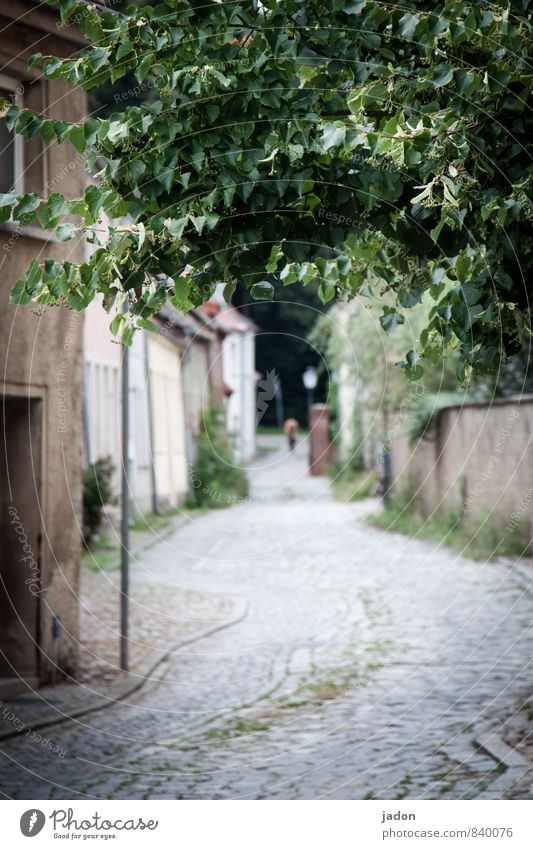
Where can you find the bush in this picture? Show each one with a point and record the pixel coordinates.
(216, 481)
(350, 481)
(96, 492)
(480, 539)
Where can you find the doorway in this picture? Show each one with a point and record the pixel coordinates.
(20, 536)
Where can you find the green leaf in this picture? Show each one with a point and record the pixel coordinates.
(263, 291)
(407, 25)
(52, 211)
(34, 59)
(26, 207)
(19, 293)
(47, 132)
(442, 75)
(326, 291)
(77, 137)
(176, 226)
(94, 198)
(7, 203)
(66, 231)
(390, 320)
(52, 68)
(333, 136)
(61, 130)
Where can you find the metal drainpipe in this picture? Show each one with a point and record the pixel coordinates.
(125, 529)
(153, 476)
(185, 356)
(86, 425)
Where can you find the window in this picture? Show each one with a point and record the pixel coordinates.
(11, 165)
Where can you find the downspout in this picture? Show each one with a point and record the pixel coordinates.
(124, 525)
(86, 429)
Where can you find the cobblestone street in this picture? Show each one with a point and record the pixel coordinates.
(362, 668)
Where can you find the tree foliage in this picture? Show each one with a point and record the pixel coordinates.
(367, 146)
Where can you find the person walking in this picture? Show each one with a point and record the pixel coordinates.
(290, 429)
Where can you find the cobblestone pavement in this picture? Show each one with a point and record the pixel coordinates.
(162, 611)
(361, 670)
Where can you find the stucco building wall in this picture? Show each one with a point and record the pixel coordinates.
(41, 356)
(476, 459)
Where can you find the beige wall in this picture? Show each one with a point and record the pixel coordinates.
(196, 382)
(477, 458)
(170, 455)
(41, 356)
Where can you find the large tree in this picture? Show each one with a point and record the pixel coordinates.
(366, 145)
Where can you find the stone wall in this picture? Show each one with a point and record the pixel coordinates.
(41, 356)
(475, 458)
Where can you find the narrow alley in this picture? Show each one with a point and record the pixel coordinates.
(362, 666)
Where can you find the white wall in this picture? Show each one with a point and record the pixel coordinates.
(170, 452)
(238, 364)
(103, 362)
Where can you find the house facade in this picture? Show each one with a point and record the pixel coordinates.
(235, 359)
(191, 363)
(157, 451)
(40, 484)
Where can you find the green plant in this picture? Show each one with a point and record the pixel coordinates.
(480, 539)
(383, 149)
(216, 480)
(96, 493)
(354, 484)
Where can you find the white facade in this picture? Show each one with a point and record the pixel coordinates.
(158, 472)
(349, 400)
(168, 418)
(238, 364)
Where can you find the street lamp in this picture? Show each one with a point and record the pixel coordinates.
(310, 380)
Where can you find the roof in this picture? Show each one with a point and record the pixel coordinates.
(185, 325)
(226, 318)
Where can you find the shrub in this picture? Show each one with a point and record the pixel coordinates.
(216, 481)
(96, 492)
(480, 539)
(351, 482)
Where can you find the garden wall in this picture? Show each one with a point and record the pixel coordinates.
(474, 459)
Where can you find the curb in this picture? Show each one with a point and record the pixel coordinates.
(135, 681)
(516, 766)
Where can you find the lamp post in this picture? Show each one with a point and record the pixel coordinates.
(310, 380)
